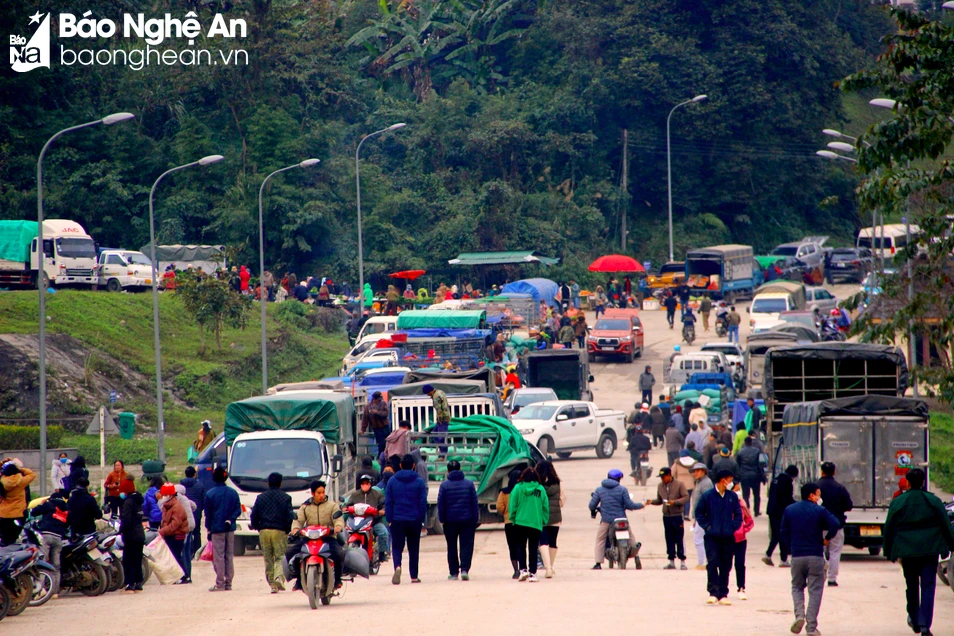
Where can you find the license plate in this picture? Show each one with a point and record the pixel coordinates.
(871, 531)
(95, 554)
(840, 265)
(608, 348)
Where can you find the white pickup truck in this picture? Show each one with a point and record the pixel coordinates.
(566, 426)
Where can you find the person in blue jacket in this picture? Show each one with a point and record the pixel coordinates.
(458, 513)
(406, 510)
(613, 500)
(150, 503)
(222, 509)
(719, 514)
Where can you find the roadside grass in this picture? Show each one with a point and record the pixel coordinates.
(942, 451)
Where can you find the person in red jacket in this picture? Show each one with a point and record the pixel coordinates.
(244, 276)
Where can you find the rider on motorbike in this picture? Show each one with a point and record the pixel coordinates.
(613, 501)
(688, 320)
(375, 498)
(318, 511)
(639, 443)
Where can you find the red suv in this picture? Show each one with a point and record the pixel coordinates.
(618, 332)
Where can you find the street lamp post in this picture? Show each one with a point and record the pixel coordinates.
(41, 280)
(357, 180)
(261, 258)
(161, 424)
(697, 98)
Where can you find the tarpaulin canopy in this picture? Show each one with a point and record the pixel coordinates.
(800, 331)
(797, 290)
(208, 258)
(510, 449)
(449, 319)
(539, 288)
(450, 387)
(766, 261)
(721, 251)
(616, 263)
(15, 238)
(800, 420)
(445, 333)
(327, 412)
(502, 258)
(500, 298)
(310, 385)
(486, 376)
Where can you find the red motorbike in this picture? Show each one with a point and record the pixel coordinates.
(361, 532)
(316, 567)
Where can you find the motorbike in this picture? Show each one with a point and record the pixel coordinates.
(831, 333)
(41, 572)
(945, 567)
(643, 470)
(80, 567)
(618, 550)
(16, 562)
(315, 567)
(360, 528)
(722, 325)
(688, 333)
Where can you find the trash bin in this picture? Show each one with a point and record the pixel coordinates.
(127, 425)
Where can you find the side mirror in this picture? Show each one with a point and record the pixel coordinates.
(221, 462)
(561, 417)
(337, 464)
(592, 379)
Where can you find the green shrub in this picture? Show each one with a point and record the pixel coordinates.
(293, 314)
(28, 437)
(130, 451)
(942, 451)
(329, 320)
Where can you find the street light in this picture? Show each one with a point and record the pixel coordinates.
(261, 258)
(883, 102)
(840, 145)
(357, 180)
(828, 154)
(41, 279)
(161, 426)
(697, 98)
(835, 133)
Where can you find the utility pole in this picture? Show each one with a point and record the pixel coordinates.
(625, 190)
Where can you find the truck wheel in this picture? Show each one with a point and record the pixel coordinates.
(874, 550)
(605, 448)
(545, 445)
(630, 357)
(113, 285)
(564, 454)
(239, 546)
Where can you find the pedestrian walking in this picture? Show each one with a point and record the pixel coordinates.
(195, 491)
(189, 507)
(670, 303)
(656, 425)
(271, 516)
(741, 544)
(808, 527)
(503, 507)
(734, 320)
(917, 531)
(646, 383)
(682, 471)
(674, 441)
(15, 480)
(837, 501)
(458, 513)
(222, 509)
(751, 474)
(175, 525)
(375, 419)
(781, 495)
(529, 511)
(551, 529)
(113, 481)
(134, 540)
(672, 495)
(725, 462)
(705, 308)
(720, 515)
(53, 528)
(406, 499)
(700, 474)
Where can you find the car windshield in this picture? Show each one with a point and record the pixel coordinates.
(535, 412)
(672, 269)
(524, 398)
(612, 325)
(844, 256)
(801, 319)
(76, 247)
(364, 346)
(787, 250)
(865, 241)
(135, 258)
(769, 305)
(299, 460)
(726, 349)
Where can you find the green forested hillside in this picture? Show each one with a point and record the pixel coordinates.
(515, 112)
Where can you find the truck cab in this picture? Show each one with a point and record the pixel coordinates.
(69, 254)
(377, 324)
(123, 269)
(618, 333)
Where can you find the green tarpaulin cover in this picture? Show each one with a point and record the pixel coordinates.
(766, 261)
(15, 237)
(509, 452)
(441, 319)
(327, 412)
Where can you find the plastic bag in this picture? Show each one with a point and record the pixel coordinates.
(206, 552)
(164, 565)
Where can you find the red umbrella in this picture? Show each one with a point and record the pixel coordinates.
(410, 274)
(616, 263)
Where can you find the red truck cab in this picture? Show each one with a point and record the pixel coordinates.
(619, 332)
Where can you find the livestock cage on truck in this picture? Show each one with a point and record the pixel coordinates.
(418, 410)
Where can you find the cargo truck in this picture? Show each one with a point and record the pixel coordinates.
(69, 254)
(566, 371)
(722, 271)
(873, 440)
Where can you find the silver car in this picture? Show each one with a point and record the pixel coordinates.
(821, 298)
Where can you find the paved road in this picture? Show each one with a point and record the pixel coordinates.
(870, 599)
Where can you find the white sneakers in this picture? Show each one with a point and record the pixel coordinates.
(742, 596)
(711, 600)
(725, 601)
(524, 575)
(532, 578)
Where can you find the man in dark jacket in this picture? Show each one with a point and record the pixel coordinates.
(134, 540)
(195, 492)
(638, 443)
(375, 419)
(837, 501)
(781, 495)
(673, 496)
(457, 511)
(366, 493)
(272, 517)
(84, 511)
(222, 509)
(53, 514)
(724, 462)
(751, 474)
(646, 383)
(674, 440)
(613, 501)
(808, 528)
(406, 497)
(719, 514)
(917, 531)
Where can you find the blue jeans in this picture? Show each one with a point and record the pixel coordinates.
(382, 538)
(733, 333)
(576, 302)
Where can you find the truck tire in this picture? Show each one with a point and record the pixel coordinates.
(112, 285)
(630, 357)
(874, 550)
(546, 445)
(605, 447)
(239, 546)
(564, 454)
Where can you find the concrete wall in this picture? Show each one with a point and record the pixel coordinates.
(31, 458)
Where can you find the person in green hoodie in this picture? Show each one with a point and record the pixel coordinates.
(916, 531)
(529, 511)
(367, 296)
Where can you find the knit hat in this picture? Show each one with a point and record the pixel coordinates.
(724, 452)
(10, 469)
(699, 466)
(168, 490)
(427, 389)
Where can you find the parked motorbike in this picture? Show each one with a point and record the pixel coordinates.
(360, 529)
(80, 567)
(41, 572)
(831, 333)
(945, 567)
(689, 333)
(644, 470)
(16, 561)
(618, 550)
(316, 568)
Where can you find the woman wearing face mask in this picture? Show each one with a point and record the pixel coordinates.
(60, 472)
(113, 481)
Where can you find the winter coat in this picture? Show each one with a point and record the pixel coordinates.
(14, 499)
(375, 416)
(638, 442)
(131, 519)
(835, 498)
(917, 525)
(84, 511)
(244, 277)
(272, 511)
(703, 486)
(781, 494)
(457, 500)
(113, 481)
(719, 515)
(803, 525)
(556, 512)
(59, 474)
(188, 506)
(150, 506)
(529, 505)
(738, 442)
(195, 491)
(698, 416)
(222, 508)
(396, 443)
(674, 439)
(675, 493)
(54, 516)
(682, 471)
(696, 436)
(318, 514)
(613, 501)
(646, 381)
(658, 422)
(420, 466)
(406, 497)
(724, 463)
(174, 521)
(750, 469)
(374, 498)
(503, 506)
(77, 470)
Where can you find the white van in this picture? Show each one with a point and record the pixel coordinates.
(765, 310)
(890, 239)
(686, 364)
(377, 324)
